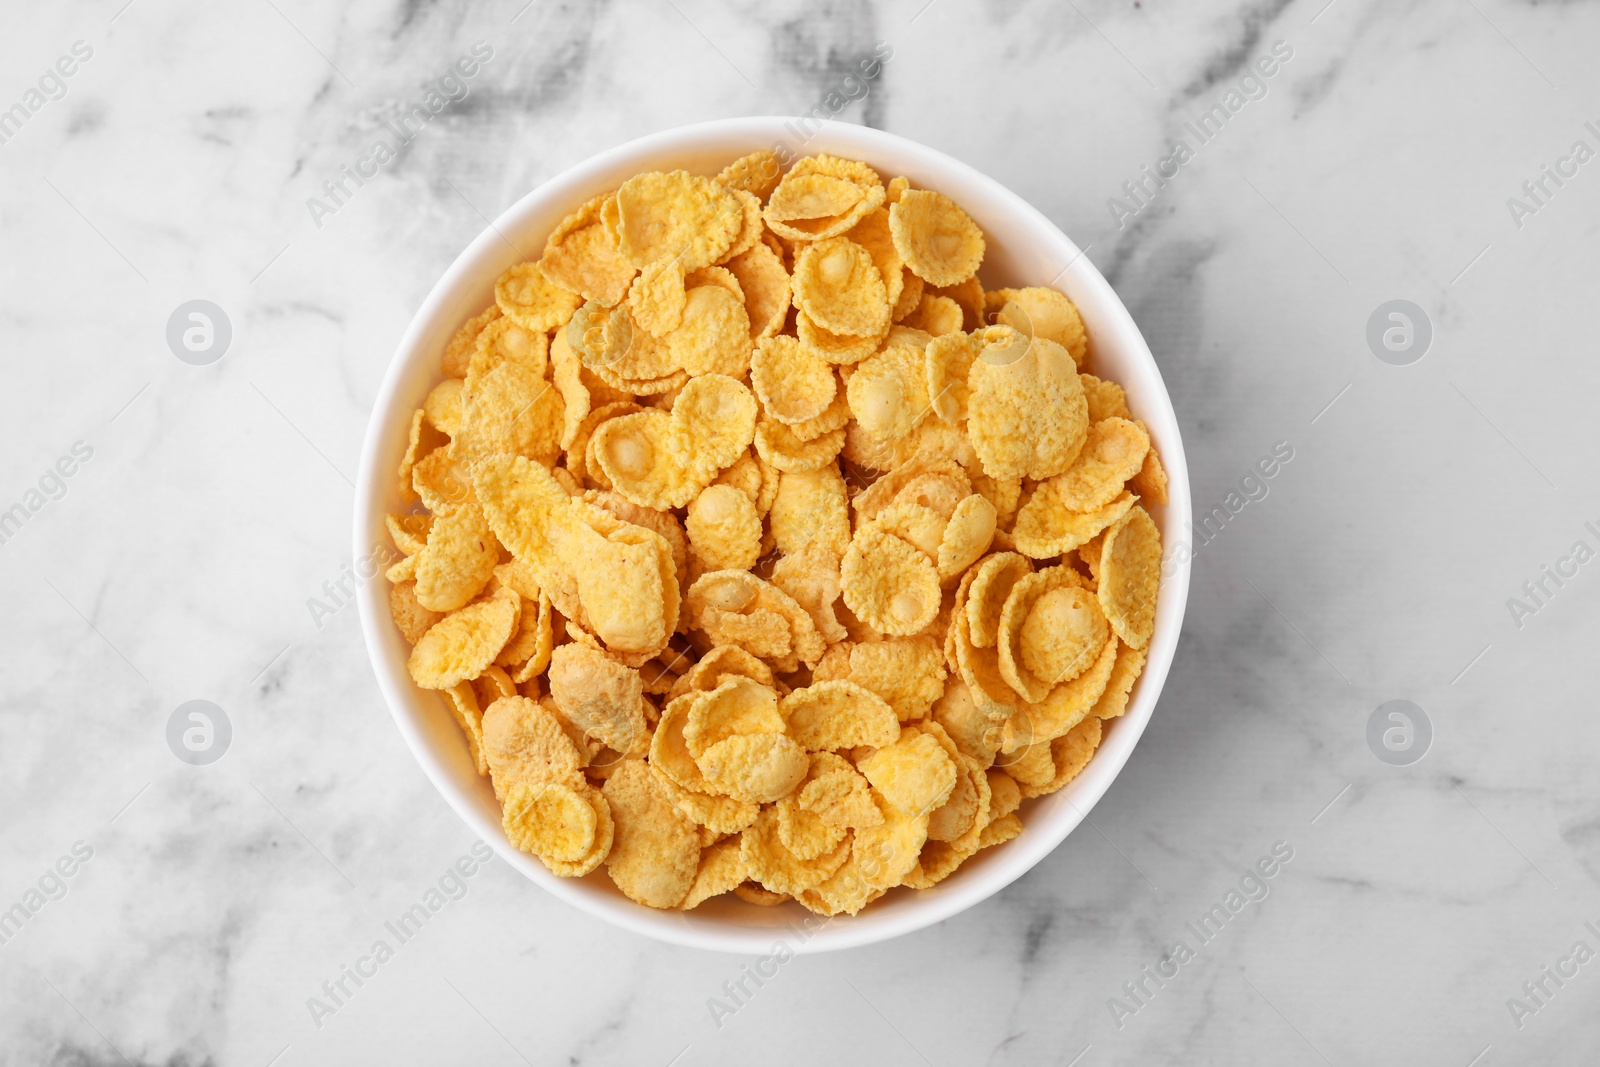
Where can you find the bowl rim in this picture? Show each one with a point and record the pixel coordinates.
(816, 934)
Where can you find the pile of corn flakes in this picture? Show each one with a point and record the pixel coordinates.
(757, 548)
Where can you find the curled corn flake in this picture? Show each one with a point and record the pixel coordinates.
(1130, 577)
(1045, 528)
(404, 571)
(1030, 765)
(738, 608)
(804, 833)
(744, 475)
(751, 226)
(464, 705)
(793, 382)
(886, 490)
(811, 507)
(783, 447)
(888, 393)
(839, 286)
(1151, 481)
(458, 560)
(719, 815)
(422, 442)
(915, 774)
(676, 215)
(837, 793)
(657, 296)
(912, 289)
(811, 577)
(1064, 707)
(976, 727)
(458, 352)
(834, 347)
(938, 315)
(948, 362)
(1004, 795)
(1113, 451)
(1069, 754)
(620, 583)
(408, 532)
(412, 618)
(719, 276)
(918, 526)
(1062, 632)
(443, 406)
(1040, 312)
(759, 768)
(636, 455)
(960, 818)
(801, 433)
(999, 831)
(822, 196)
(980, 669)
(756, 174)
(528, 651)
(888, 584)
(578, 450)
(885, 854)
(600, 696)
(1026, 412)
(581, 256)
(724, 528)
(721, 870)
(969, 297)
(533, 301)
(872, 233)
(722, 663)
(1105, 398)
(656, 849)
(833, 715)
(524, 743)
(1030, 655)
(816, 200)
(766, 287)
(966, 537)
(1124, 672)
(779, 870)
(663, 523)
(669, 753)
(737, 706)
(937, 240)
(991, 584)
(908, 673)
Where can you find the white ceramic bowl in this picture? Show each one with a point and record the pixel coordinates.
(1024, 248)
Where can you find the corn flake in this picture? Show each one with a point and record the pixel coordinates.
(888, 393)
(793, 383)
(938, 241)
(656, 848)
(839, 286)
(1045, 528)
(1130, 576)
(888, 584)
(676, 215)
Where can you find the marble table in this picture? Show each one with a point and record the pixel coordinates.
(1418, 540)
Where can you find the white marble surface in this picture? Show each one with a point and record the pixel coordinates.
(179, 562)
